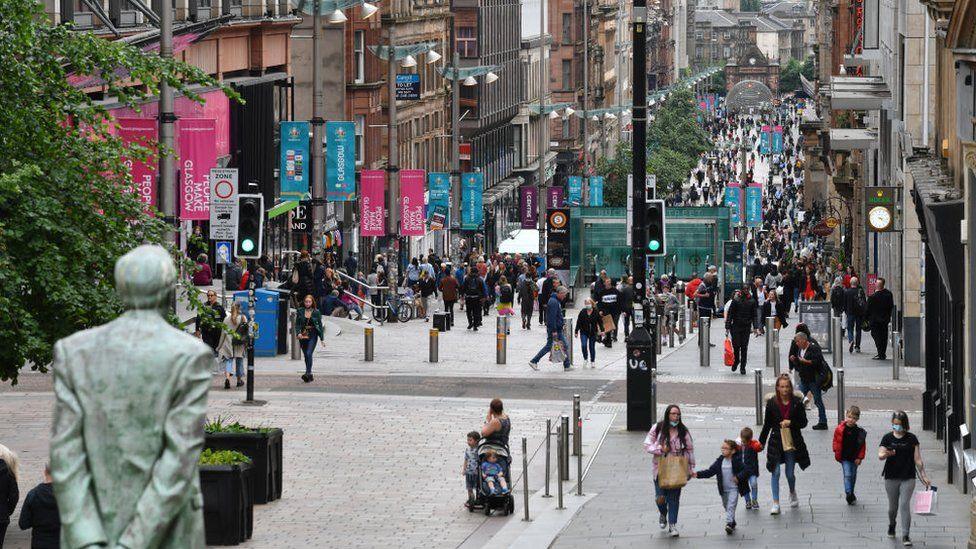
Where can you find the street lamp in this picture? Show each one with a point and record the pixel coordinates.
(470, 81)
(433, 57)
(490, 77)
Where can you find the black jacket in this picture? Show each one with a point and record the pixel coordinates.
(40, 512)
(743, 315)
(9, 493)
(880, 305)
(588, 323)
(743, 467)
(852, 297)
(770, 435)
(814, 354)
(837, 300)
(781, 312)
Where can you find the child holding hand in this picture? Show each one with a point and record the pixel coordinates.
(731, 471)
(750, 447)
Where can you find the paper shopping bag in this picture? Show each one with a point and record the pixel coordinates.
(672, 472)
(787, 436)
(924, 502)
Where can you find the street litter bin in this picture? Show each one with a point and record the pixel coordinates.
(266, 315)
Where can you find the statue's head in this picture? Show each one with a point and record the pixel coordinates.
(145, 277)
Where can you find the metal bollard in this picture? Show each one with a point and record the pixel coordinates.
(704, 343)
(776, 354)
(770, 351)
(548, 453)
(568, 336)
(579, 473)
(895, 355)
(296, 348)
(368, 344)
(501, 340)
(671, 328)
(759, 395)
(659, 334)
(577, 427)
(692, 320)
(837, 334)
(525, 477)
(434, 346)
(564, 447)
(840, 395)
(653, 395)
(683, 318)
(559, 467)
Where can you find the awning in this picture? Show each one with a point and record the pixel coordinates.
(522, 241)
(502, 189)
(282, 207)
(848, 139)
(940, 209)
(861, 93)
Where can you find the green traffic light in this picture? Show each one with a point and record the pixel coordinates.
(247, 245)
(654, 245)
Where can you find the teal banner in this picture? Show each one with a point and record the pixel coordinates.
(438, 192)
(295, 161)
(472, 201)
(596, 190)
(754, 205)
(733, 201)
(575, 185)
(340, 161)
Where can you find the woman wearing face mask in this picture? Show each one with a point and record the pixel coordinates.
(784, 412)
(900, 452)
(669, 438)
(589, 327)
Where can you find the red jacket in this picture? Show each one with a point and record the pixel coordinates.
(839, 441)
(692, 287)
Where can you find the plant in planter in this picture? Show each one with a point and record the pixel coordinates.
(227, 484)
(262, 444)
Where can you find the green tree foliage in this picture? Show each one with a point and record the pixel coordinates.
(750, 5)
(789, 79)
(65, 213)
(674, 141)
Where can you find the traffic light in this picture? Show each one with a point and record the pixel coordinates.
(655, 228)
(250, 225)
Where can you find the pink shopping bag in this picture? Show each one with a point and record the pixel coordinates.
(924, 502)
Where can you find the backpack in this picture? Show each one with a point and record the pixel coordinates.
(473, 287)
(861, 303)
(507, 294)
(826, 376)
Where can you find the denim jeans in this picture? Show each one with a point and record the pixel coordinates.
(814, 387)
(588, 343)
(548, 346)
(850, 476)
(308, 347)
(231, 363)
(853, 326)
(754, 488)
(789, 463)
(672, 497)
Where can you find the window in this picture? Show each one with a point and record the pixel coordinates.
(566, 128)
(699, 35)
(567, 34)
(567, 74)
(358, 56)
(360, 121)
(467, 42)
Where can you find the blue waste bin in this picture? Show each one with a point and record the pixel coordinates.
(266, 314)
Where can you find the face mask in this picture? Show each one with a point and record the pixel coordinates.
(674, 423)
(588, 307)
(897, 428)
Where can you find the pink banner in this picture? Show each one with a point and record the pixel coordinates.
(554, 198)
(142, 132)
(412, 202)
(198, 154)
(371, 210)
(216, 105)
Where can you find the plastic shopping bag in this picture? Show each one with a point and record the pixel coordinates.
(557, 354)
(729, 353)
(925, 502)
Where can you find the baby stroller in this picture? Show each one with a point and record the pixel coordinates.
(486, 500)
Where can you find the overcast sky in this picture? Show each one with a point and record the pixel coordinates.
(530, 18)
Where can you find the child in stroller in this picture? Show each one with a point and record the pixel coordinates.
(493, 490)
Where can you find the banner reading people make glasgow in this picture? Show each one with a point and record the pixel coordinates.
(141, 132)
(472, 201)
(340, 161)
(294, 163)
(371, 208)
(412, 202)
(198, 154)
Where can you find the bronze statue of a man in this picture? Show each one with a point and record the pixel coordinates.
(128, 421)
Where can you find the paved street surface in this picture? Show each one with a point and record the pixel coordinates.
(372, 450)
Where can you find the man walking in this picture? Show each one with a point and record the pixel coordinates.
(809, 362)
(741, 319)
(546, 285)
(626, 303)
(474, 293)
(880, 305)
(855, 306)
(554, 328)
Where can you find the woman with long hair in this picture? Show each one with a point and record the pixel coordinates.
(308, 328)
(785, 417)
(9, 493)
(233, 345)
(667, 439)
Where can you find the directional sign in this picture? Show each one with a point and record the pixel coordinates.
(223, 203)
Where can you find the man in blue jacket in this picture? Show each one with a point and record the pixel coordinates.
(554, 328)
